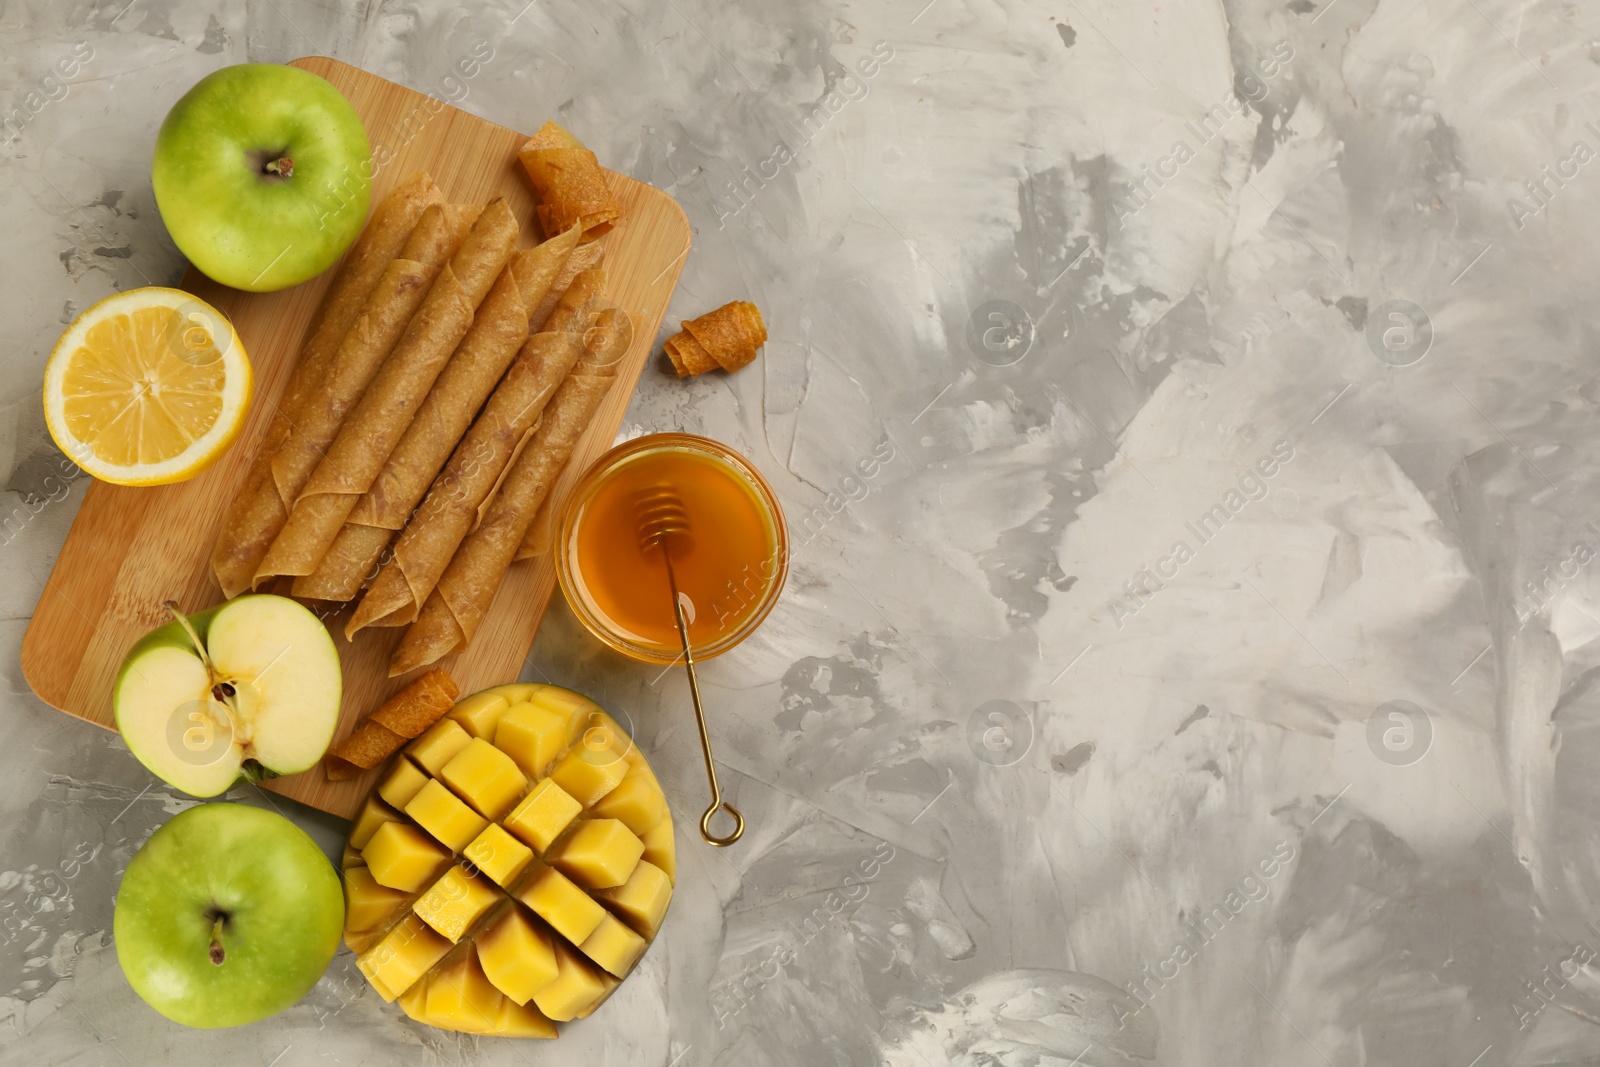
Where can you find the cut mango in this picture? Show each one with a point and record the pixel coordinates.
(614, 946)
(442, 814)
(485, 777)
(599, 854)
(366, 903)
(394, 963)
(589, 774)
(576, 987)
(608, 985)
(438, 745)
(479, 712)
(401, 857)
(373, 814)
(641, 900)
(523, 1020)
(460, 997)
(660, 850)
(573, 707)
(401, 783)
(543, 815)
(637, 801)
(570, 910)
(498, 855)
(456, 901)
(414, 1002)
(527, 829)
(532, 736)
(517, 956)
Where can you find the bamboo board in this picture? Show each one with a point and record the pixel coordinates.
(130, 550)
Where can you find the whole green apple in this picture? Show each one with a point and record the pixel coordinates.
(263, 175)
(227, 915)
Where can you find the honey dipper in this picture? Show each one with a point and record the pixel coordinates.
(663, 522)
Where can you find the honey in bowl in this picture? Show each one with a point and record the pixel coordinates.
(728, 564)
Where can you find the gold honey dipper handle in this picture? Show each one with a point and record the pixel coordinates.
(705, 736)
(661, 519)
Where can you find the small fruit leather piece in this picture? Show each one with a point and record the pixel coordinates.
(571, 186)
(402, 717)
(727, 337)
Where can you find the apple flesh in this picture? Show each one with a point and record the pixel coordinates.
(250, 687)
(226, 915)
(263, 175)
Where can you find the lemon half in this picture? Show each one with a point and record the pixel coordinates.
(147, 387)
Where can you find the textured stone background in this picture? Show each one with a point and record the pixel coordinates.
(1204, 673)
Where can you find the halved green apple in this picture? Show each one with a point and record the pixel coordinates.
(250, 687)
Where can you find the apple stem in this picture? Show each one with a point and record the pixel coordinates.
(283, 167)
(217, 953)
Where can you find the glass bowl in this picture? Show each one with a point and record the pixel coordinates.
(747, 591)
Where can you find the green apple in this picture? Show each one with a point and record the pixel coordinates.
(249, 687)
(227, 915)
(263, 175)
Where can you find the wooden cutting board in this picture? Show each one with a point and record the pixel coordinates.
(130, 550)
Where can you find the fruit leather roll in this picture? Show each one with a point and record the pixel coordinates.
(583, 258)
(258, 513)
(454, 501)
(498, 331)
(378, 421)
(380, 242)
(458, 603)
(570, 184)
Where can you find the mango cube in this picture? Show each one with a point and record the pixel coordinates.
(573, 708)
(439, 745)
(532, 736)
(442, 814)
(519, 1020)
(456, 901)
(642, 900)
(351, 857)
(599, 854)
(576, 987)
(636, 801)
(460, 997)
(660, 850)
(373, 814)
(543, 815)
(479, 712)
(614, 946)
(498, 855)
(554, 898)
(517, 956)
(588, 774)
(401, 857)
(396, 962)
(484, 777)
(608, 985)
(401, 783)
(414, 1002)
(366, 903)
(599, 735)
